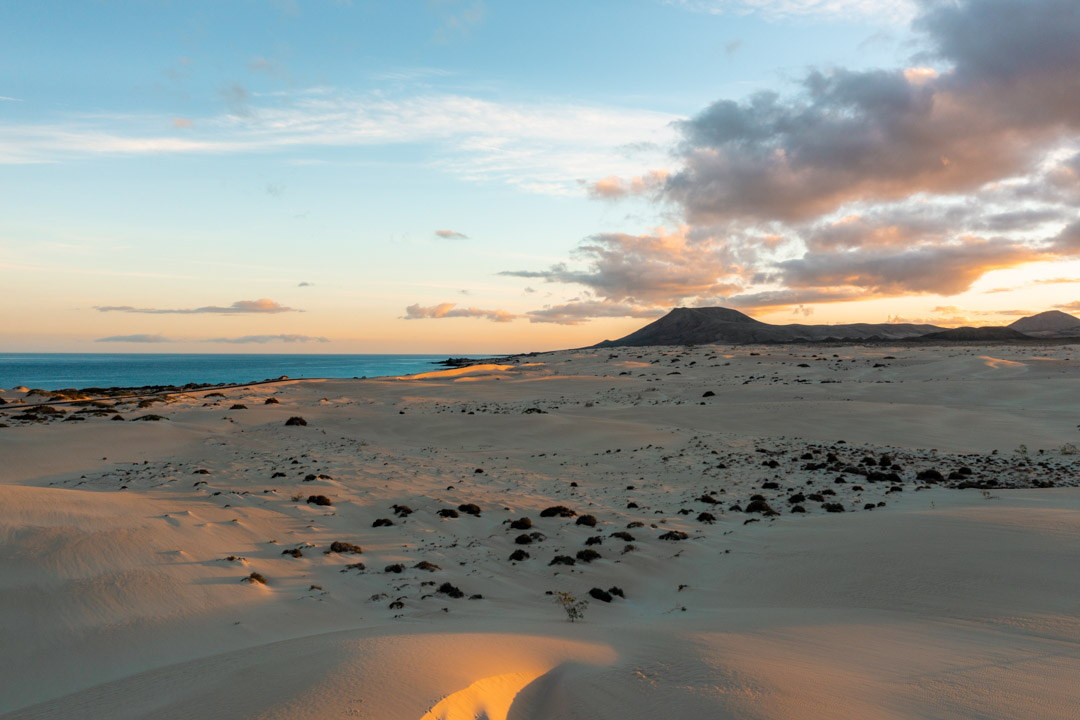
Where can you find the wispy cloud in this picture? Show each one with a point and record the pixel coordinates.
(451, 235)
(5, 98)
(540, 147)
(895, 10)
(139, 338)
(263, 339)
(263, 305)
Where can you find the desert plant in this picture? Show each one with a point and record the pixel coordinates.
(575, 609)
(1069, 449)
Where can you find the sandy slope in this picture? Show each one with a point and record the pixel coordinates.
(126, 545)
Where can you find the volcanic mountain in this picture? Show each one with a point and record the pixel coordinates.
(699, 326)
(1052, 323)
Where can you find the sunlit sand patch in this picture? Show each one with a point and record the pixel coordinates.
(489, 698)
(483, 369)
(999, 363)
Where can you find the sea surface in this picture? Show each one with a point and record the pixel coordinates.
(54, 371)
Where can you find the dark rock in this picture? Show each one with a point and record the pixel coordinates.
(601, 595)
(557, 511)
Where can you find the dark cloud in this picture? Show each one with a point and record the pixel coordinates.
(239, 307)
(884, 134)
(655, 269)
(140, 338)
(451, 310)
(944, 269)
(867, 183)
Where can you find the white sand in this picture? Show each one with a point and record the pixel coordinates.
(117, 600)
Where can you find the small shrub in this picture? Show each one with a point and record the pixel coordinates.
(450, 591)
(394, 568)
(256, 577)
(588, 555)
(447, 513)
(239, 406)
(271, 401)
(382, 522)
(519, 555)
(319, 500)
(674, 535)
(343, 547)
(470, 509)
(587, 520)
(575, 609)
(425, 565)
(521, 524)
(1069, 449)
(623, 535)
(562, 560)
(295, 420)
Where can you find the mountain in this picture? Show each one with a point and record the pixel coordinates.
(976, 334)
(699, 326)
(1052, 323)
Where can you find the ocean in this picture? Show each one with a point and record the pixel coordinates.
(54, 371)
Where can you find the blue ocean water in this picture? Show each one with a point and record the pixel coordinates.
(53, 371)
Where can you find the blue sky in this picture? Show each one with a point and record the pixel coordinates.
(458, 175)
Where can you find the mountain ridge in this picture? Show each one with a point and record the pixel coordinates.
(720, 325)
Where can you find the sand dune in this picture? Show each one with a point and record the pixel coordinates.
(125, 585)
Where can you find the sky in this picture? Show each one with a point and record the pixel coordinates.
(489, 176)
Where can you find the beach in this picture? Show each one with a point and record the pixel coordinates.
(760, 531)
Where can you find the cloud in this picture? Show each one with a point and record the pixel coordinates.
(263, 305)
(660, 268)
(451, 235)
(141, 338)
(613, 187)
(263, 339)
(182, 123)
(943, 270)
(237, 100)
(895, 10)
(574, 313)
(5, 98)
(306, 284)
(538, 147)
(459, 22)
(451, 310)
(275, 189)
(864, 183)
(732, 46)
(1069, 307)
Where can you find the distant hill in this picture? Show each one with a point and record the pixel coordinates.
(699, 326)
(1052, 323)
(976, 334)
